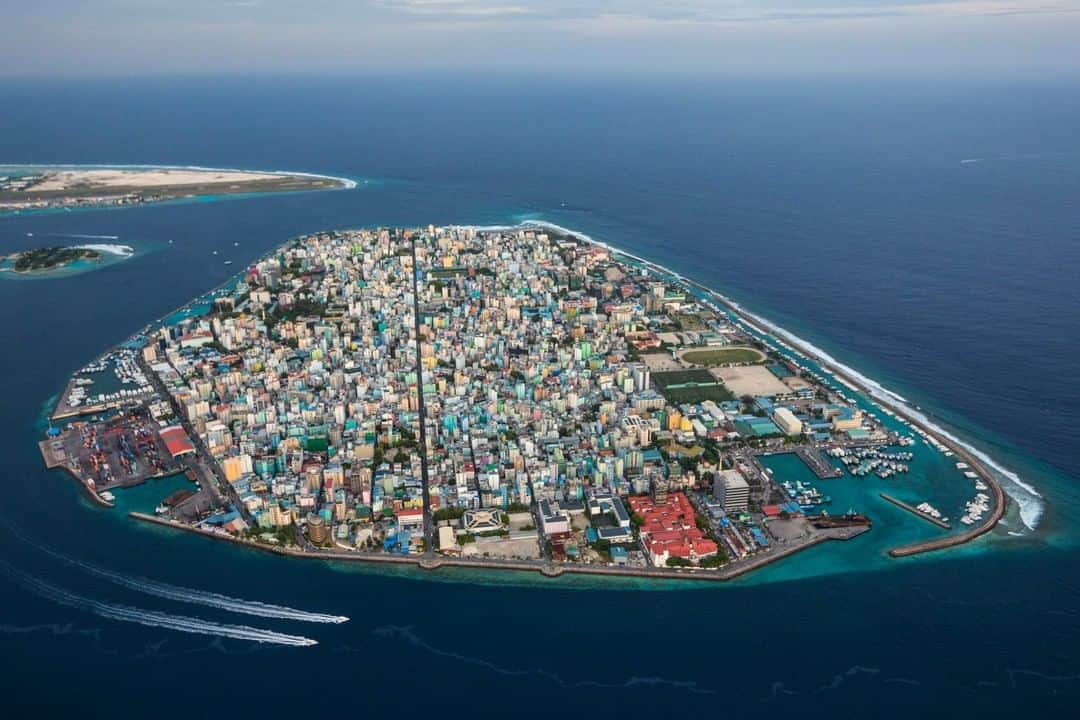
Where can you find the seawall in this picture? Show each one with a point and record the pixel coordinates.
(431, 563)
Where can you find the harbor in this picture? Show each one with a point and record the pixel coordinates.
(923, 510)
(688, 467)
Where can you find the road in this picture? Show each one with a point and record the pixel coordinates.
(206, 466)
(425, 488)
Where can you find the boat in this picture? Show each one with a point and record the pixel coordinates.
(228, 262)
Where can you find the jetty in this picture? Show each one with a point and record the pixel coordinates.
(916, 511)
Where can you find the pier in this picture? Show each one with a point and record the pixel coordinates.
(812, 458)
(901, 412)
(916, 511)
(818, 464)
(964, 537)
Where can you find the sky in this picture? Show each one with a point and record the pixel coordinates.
(722, 37)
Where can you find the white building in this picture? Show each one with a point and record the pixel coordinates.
(786, 421)
(732, 490)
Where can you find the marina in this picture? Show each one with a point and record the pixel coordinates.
(924, 510)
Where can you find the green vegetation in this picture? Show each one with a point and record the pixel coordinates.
(685, 321)
(677, 562)
(690, 386)
(714, 562)
(51, 257)
(723, 356)
(447, 514)
(300, 308)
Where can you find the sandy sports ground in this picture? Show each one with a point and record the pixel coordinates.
(721, 355)
(750, 380)
(661, 361)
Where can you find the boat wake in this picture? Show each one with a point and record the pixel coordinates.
(1027, 498)
(189, 595)
(79, 236)
(209, 599)
(151, 618)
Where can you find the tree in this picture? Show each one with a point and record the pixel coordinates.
(677, 562)
(713, 561)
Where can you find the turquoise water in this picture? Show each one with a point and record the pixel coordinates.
(74, 268)
(838, 210)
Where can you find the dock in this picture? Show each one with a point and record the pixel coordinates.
(916, 511)
(821, 467)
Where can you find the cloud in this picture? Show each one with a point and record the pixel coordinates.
(712, 12)
(735, 36)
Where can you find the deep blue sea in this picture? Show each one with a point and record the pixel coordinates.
(926, 233)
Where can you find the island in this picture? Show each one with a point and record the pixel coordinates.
(69, 187)
(517, 398)
(49, 258)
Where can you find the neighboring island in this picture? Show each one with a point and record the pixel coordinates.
(513, 398)
(65, 187)
(49, 258)
(62, 260)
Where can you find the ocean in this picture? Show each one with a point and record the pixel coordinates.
(926, 234)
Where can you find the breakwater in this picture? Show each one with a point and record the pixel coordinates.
(913, 420)
(961, 538)
(916, 511)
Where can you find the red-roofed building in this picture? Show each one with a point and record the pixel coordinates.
(410, 519)
(668, 529)
(177, 441)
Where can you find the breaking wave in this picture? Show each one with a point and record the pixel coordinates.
(1024, 494)
(121, 250)
(1027, 498)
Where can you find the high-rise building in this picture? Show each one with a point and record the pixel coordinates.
(317, 530)
(732, 490)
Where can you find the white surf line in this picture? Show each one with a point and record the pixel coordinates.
(122, 250)
(151, 618)
(187, 595)
(1026, 496)
(347, 183)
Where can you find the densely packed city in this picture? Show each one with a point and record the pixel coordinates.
(457, 394)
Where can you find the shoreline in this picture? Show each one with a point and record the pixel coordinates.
(108, 198)
(547, 570)
(892, 401)
(855, 381)
(346, 183)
